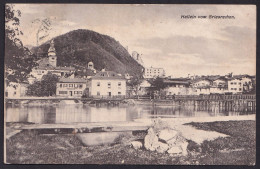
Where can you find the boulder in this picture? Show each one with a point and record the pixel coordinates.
(184, 146)
(175, 150)
(167, 134)
(151, 140)
(162, 147)
(136, 144)
(177, 140)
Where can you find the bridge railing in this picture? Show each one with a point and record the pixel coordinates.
(215, 97)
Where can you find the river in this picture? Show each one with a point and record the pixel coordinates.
(80, 113)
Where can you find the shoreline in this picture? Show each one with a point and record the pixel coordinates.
(227, 150)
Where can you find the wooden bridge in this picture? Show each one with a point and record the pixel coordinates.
(237, 102)
(216, 97)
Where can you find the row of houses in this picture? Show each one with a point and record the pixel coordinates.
(203, 85)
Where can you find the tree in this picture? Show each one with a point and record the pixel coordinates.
(45, 87)
(18, 59)
(157, 85)
(134, 83)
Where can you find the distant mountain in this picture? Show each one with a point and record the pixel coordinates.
(78, 47)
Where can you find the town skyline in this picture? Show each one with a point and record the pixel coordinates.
(215, 47)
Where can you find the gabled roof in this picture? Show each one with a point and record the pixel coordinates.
(107, 75)
(172, 82)
(72, 80)
(220, 78)
(200, 79)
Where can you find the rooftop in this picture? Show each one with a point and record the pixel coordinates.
(107, 75)
(74, 80)
(176, 82)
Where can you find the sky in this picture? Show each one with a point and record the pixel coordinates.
(159, 34)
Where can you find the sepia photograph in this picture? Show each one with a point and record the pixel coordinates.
(130, 84)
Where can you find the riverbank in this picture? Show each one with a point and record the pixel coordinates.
(237, 149)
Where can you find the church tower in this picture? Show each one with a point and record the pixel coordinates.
(52, 55)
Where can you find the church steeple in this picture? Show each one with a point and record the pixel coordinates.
(52, 54)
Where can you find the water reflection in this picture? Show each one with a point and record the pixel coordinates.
(85, 113)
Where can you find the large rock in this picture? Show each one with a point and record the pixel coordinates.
(184, 146)
(162, 147)
(177, 140)
(175, 150)
(167, 134)
(136, 144)
(151, 140)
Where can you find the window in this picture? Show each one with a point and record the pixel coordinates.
(98, 83)
(119, 93)
(52, 58)
(235, 88)
(14, 93)
(80, 86)
(240, 89)
(235, 83)
(70, 85)
(79, 92)
(98, 93)
(231, 83)
(60, 85)
(119, 83)
(240, 83)
(63, 92)
(42, 71)
(65, 85)
(109, 84)
(75, 85)
(75, 92)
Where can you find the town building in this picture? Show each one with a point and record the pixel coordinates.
(177, 86)
(235, 85)
(107, 84)
(200, 82)
(71, 87)
(143, 88)
(16, 90)
(49, 64)
(153, 73)
(219, 82)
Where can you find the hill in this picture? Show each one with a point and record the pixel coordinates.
(78, 47)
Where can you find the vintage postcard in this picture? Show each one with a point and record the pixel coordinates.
(158, 84)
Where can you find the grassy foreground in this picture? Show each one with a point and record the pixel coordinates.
(238, 149)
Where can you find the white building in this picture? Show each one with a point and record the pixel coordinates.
(154, 72)
(235, 85)
(201, 83)
(178, 87)
(143, 88)
(219, 83)
(68, 87)
(107, 84)
(16, 90)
